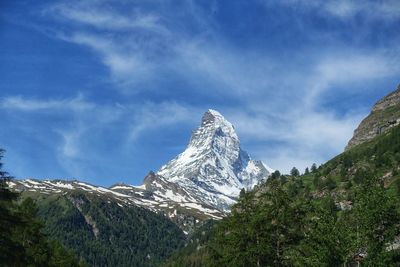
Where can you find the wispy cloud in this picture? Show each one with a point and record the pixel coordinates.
(296, 129)
(295, 135)
(131, 41)
(83, 119)
(347, 68)
(168, 61)
(375, 9)
(343, 70)
(25, 104)
(265, 85)
(70, 144)
(150, 117)
(126, 62)
(344, 9)
(71, 122)
(105, 19)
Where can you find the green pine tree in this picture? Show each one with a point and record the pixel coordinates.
(377, 220)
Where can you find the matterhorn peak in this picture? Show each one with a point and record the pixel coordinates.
(213, 168)
(203, 181)
(214, 133)
(212, 116)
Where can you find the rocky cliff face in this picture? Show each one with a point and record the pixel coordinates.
(384, 115)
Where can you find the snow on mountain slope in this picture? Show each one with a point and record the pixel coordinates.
(201, 183)
(161, 200)
(213, 168)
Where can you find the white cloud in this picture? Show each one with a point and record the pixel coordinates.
(25, 104)
(126, 63)
(136, 45)
(70, 145)
(346, 69)
(297, 136)
(104, 19)
(228, 69)
(279, 104)
(131, 42)
(163, 44)
(150, 117)
(345, 9)
(81, 119)
(77, 116)
(387, 10)
(294, 127)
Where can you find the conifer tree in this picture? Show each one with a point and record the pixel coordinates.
(10, 249)
(275, 175)
(313, 168)
(294, 172)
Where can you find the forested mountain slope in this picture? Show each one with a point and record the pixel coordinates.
(343, 213)
(105, 233)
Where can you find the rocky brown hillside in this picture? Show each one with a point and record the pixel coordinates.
(384, 115)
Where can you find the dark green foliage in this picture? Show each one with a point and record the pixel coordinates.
(376, 222)
(306, 171)
(313, 168)
(242, 192)
(299, 222)
(195, 253)
(397, 186)
(39, 251)
(294, 172)
(10, 249)
(275, 175)
(330, 184)
(317, 182)
(105, 234)
(22, 241)
(295, 186)
(257, 233)
(283, 179)
(328, 240)
(395, 171)
(270, 228)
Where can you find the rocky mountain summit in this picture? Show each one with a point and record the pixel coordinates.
(200, 183)
(213, 168)
(384, 115)
(208, 174)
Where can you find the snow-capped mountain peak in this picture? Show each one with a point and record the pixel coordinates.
(201, 182)
(213, 168)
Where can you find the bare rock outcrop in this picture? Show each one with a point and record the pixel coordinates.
(384, 115)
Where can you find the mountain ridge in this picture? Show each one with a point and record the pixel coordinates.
(384, 115)
(200, 183)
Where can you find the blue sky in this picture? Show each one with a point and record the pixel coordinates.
(105, 91)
